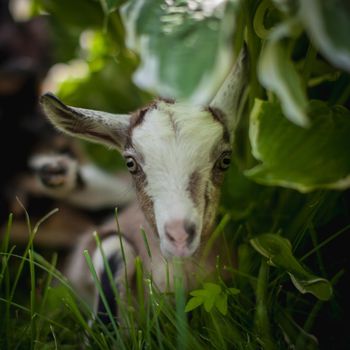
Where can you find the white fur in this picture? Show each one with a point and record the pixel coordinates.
(170, 157)
(110, 246)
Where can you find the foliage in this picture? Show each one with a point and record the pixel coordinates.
(304, 159)
(293, 138)
(211, 295)
(278, 252)
(205, 33)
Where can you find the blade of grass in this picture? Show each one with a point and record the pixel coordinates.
(27, 310)
(32, 234)
(123, 255)
(54, 337)
(125, 315)
(71, 304)
(140, 288)
(101, 293)
(5, 274)
(218, 230)
(180, 300)
(145, 240)
(5, 264)
(46, 289)
(6, 239)
(219, 337)
(262, 323)
(325, 242)
(33, 318)
(126, 278)
(156, 309)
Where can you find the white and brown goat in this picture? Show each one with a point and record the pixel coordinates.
(177, 154)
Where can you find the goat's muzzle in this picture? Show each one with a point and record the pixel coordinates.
(179, 236)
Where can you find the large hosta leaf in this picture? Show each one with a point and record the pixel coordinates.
(328, 25)
(277, 73)
(303, 159)
(278, 251)
(185, 47)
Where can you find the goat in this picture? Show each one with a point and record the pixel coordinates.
(177, 154)
(44, 171)
(62, 176)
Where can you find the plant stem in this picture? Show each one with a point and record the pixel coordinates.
(308, 64)
(262, 324)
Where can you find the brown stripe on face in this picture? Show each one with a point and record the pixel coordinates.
(211, 200)
(220, 117)
(206, 199)
(138, 116)
(217, 176)
(145, 201)
(136, 119)
(194, 186)
(172, 122)
(167, 100)
(170, 114)
(208, 216)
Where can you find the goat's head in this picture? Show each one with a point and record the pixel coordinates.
(177, 154)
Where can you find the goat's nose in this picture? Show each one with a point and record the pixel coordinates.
(180, 232)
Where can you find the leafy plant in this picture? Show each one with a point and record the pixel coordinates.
(278, 251)
(210, 296)
(285, 204)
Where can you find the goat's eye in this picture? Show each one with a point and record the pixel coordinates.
(131, 164)
(224, 161)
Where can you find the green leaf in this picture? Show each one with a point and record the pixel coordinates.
(193, 303)
(328, 25)
(303, 159)
(277, 73)
(185, 52)
(221, 304)
(278, 251)
(234, 291)
(200, 293)
(212, 288)
(209, 302)
(211, 295)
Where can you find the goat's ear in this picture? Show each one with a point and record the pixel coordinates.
(233, 91)
(101, 127)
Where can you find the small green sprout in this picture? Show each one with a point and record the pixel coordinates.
(211, 295)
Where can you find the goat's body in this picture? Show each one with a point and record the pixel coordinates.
(160, 270)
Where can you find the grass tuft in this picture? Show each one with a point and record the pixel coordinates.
(261, 309)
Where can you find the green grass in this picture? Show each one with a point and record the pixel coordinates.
(40, 310)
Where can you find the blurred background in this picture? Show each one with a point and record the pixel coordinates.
(291, 170)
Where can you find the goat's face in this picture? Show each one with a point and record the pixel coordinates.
(177, 154)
